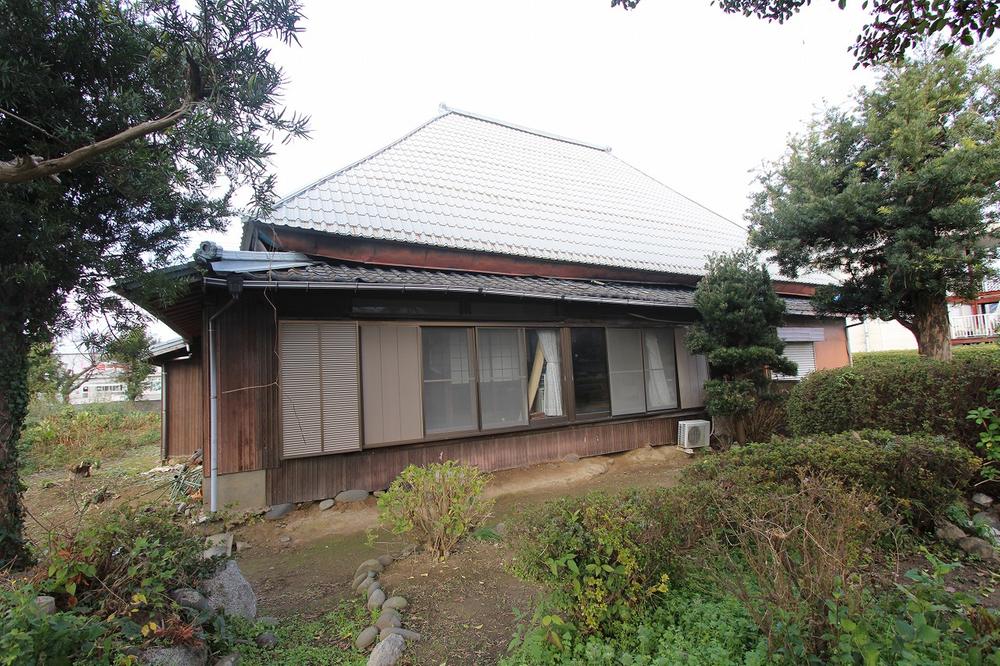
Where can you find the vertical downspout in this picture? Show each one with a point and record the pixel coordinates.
(163, 411)
(235, 287)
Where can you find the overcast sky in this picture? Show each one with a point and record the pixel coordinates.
(694, 97)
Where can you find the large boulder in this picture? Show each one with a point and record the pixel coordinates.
(227, 590)
(279, 511)
(978, 547)
(348, 496)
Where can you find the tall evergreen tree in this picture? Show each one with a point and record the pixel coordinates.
(124, 126)
(898, 194)
(130, 350)
(738, 334)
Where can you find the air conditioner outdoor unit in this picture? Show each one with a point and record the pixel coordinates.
(693, 434)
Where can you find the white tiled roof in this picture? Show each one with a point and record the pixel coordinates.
(468, 182)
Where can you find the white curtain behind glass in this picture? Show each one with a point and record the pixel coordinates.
(661, 384)
(552, 398)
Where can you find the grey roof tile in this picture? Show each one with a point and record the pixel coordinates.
(472, 183)
(628, 293)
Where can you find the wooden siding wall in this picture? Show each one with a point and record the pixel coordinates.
(184, 427)
(248, 386)
(304, 479)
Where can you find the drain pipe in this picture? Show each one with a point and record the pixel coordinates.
(235, 284)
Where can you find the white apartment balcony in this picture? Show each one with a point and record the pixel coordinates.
(975, 326)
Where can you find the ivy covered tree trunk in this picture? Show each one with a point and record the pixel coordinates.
(13, 409)
(931, 327)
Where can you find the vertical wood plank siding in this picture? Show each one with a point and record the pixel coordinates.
(184, 433)
(248, 390)
(303, 479)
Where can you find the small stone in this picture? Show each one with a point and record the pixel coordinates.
(389, 618)
(982, 499)
(395, 603)
(571, 457)
(279, 511)
(384, 560)
(326, 504)
(178, 655)
(376, 599)
(369, 565)
(978, 547)
(284, 538)
(361, 577)
(242, 545)
(352, 496)
(185, 597)
(949, 532)
(405, 633)
(388, 652)
(366, 638)
(46, 604)
(266, 640)
(231, 659)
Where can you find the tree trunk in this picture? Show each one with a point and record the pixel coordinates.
(932, 328)
(13, 409)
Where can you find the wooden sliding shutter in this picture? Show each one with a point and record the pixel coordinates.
(692, 372)
(390, 380)
(319, 387)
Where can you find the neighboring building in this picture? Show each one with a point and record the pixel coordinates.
(972, 322)
(103, 383)
(475, 291)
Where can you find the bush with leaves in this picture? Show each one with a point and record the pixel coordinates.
(918, 476)
(436, 505)
(900, 392)
(28, 635)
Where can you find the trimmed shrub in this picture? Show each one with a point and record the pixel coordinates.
(899, 392)
(917, 475)
(436, 505)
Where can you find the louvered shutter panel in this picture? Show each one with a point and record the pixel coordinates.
(339, 378)
(802, 353)
(301, 403)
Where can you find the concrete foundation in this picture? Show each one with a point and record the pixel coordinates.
(244, 491)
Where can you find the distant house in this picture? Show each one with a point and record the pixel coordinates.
(474, 290)
(972, 322)
(103, 382)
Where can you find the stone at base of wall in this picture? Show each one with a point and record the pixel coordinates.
(243, 491)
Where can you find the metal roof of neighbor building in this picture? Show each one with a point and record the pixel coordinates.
(469, 182)
(425, 280)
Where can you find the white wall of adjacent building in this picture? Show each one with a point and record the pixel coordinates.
(871, 335)
(104, 384)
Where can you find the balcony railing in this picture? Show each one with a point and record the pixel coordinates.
(975, 326)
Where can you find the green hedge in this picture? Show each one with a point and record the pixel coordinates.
(898, 391)
(918, 475)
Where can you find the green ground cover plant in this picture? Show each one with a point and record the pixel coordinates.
(73, 435)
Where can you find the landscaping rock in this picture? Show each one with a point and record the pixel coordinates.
(389, 618)
(361, 578)
(326, 504)
(404, 633)
(388, 651)
(231, 659)
(229, 591)
(266, 640)
(178, 655)
(571, 457)
(366, 638)
(978, 547)
(223, 542)
(279, 511)
(395, 603)
(987, 518)
(949, 532)
(363, 588)
(352, 496)
(369, 565)
(384, 560)
(982, 499)
(284, 538)
(376, 599)
(46, 604)
(189, 598)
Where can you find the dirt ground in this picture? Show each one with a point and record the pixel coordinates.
(463, 607)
